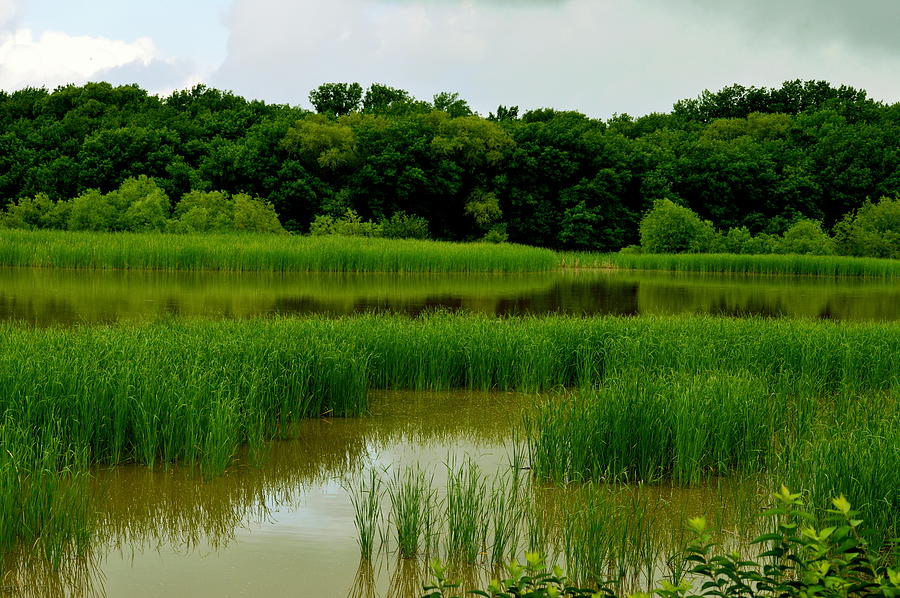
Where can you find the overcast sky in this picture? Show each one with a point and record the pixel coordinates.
(596, 56)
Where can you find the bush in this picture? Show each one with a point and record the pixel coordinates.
(872, 231)
(28, 213)
(350, 225)
(404, 226)
(806, 237)
(670, 228)
(497, 234)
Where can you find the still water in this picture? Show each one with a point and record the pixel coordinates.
(284, 525)
(50, 296)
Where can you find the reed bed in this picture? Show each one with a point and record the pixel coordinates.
(696, 428)
(265, 253)
(195, 391)
(685, 427)
(832, 266)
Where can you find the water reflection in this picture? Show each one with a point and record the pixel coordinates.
(44, 297)
(285, 525)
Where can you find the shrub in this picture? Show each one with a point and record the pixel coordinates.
(255, 215)
(350, 225)
(404, 226)
(497, 234)
(670, 228)
(806, 237)
(872, 231)
(27, 213)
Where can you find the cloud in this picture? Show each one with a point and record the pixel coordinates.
(597, 56)
(55, 58)
(10, 10)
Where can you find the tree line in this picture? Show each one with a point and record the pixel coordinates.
(744, 158)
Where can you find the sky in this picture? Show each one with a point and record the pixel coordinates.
(600, 57)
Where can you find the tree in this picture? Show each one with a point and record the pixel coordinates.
(336, 99)
(670, 228)
(806, 237)
(452, 104)
(871, 231)
(382, 99)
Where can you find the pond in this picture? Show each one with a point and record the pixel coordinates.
(46, 296)
(284, 525)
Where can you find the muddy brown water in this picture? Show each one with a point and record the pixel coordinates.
(282, 525)
(50, 296)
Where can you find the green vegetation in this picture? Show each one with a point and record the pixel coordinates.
(139, 205)
(873, 231)
(196, 391)
(795, 560)
(754, 264)
(266, 253)
(756, 160)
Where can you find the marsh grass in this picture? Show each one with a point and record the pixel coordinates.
(686, 398)
(366, 499)
(267, 253)
(413, 511)
(685, 427)
(467, 503)
(831, 266)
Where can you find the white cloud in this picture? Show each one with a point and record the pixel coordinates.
(598, 56)
(56, 58)
(9, 13)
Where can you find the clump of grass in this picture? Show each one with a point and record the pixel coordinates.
(268, 253)
(684, 427)
(366, 500)
(466, 511)
(413, 506)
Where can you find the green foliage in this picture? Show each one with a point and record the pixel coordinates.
(670, 228)
(404, 226)
(740, 157)
(321, 142)
(216, 211)
(349, 225)
(255, 215)
(452, 104)
(796, 560)
(28, 213)
(531, 579)
(806, 237)
(336, 99)
(872, 231)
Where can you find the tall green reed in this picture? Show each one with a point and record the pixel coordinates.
(269, 253)
(413, 504)
(366, 499)
(753, 264)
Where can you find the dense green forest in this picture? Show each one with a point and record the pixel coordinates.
(749, 157)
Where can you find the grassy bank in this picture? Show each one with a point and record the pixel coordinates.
(195, 391)
(266, 253)
(278, 253)
(748, 264)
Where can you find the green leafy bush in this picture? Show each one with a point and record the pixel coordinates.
(404, 226)
(872, 231)
(806, 237)
(349, 225)
(670, 228)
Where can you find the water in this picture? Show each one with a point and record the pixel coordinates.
(281, 523)
(284, 525)
(45, 297)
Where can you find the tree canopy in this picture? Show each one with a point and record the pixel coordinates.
(743, 158)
